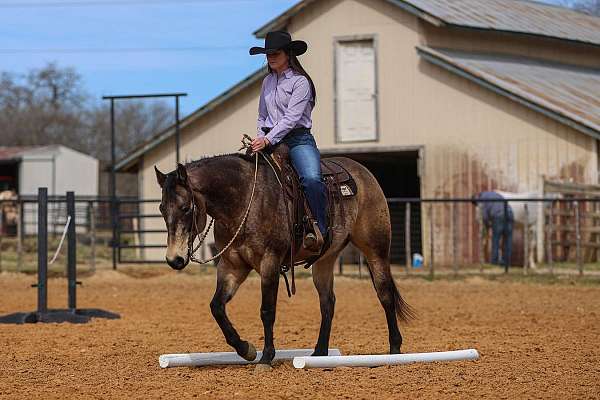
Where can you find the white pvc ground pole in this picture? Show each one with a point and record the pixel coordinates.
(383, 359)
(229, 358)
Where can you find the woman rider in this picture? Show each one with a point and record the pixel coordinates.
(286, 101)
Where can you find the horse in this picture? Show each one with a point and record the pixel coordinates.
(221, 187)
(8, 210)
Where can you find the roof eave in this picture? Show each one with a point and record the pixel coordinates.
(418, 12)
(131, 159)
(444, 62)
(281, 21)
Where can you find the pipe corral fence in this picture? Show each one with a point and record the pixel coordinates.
(430, 236)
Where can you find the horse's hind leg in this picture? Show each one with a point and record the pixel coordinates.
(229, 279)
(374, 244)
(322, 273)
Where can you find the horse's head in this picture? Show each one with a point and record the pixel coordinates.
(184, 212)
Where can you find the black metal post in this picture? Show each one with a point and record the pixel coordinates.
(113, 183)
(177, 142)
(504, 241)
(72, 253)
(43, 314)
(20, 234)
(116, 253)
(42, 240)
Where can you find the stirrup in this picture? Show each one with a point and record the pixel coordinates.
(313, 242)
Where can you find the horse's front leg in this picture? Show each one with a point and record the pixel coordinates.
(322, 273)
(269, 284)
(229, 279)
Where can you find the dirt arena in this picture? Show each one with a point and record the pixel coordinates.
(536, 340)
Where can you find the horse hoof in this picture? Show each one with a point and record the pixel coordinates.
(250, 353)
(262, 368)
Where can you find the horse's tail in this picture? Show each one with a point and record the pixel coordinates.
(404, 311)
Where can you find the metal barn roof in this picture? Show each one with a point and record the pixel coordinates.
(518, 16)
(13, 153)
(570, 94)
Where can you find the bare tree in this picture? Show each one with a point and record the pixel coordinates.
(135, 122)
(51, 106)
(591, 7)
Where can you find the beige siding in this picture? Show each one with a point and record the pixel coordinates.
(473, 139)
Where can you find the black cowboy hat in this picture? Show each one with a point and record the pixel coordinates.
(279, 40)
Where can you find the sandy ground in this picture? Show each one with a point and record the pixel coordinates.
(536, 340)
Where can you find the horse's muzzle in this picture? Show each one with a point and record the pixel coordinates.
(178, 263)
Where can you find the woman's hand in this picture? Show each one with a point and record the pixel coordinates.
(259, 144)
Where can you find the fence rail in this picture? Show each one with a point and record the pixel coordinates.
(429, 234)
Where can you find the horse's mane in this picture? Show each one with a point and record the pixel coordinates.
(203, 160)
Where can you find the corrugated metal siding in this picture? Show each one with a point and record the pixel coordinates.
(515, 16)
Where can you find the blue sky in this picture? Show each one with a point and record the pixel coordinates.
(219, 31)
(222, 30)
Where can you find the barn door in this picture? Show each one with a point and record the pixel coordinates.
(356, 91)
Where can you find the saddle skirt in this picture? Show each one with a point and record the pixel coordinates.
(340, 184)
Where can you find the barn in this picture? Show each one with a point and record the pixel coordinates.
(438, 98)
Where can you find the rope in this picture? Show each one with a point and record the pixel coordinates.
(199, 261)
(62, 239)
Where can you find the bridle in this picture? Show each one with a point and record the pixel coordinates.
(194, 232)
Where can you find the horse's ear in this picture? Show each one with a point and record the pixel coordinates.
(182, 173)
(160, 177)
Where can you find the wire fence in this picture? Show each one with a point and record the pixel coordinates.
(429, 236)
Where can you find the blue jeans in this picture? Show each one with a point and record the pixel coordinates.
(306, 160)
(502, 228)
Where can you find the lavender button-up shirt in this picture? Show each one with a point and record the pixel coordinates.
(285, 103)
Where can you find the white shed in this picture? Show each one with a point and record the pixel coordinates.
(59, 168)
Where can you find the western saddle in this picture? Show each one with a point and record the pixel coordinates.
(339, 184)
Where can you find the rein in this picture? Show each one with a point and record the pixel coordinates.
(246, 142)
(194, 232)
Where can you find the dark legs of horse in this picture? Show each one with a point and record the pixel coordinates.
(375, 246)
(322, 273)
(386, 292)
(269, 284)
(229, 280)
(388, 297)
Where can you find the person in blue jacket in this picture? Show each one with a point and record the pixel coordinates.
(493, 215)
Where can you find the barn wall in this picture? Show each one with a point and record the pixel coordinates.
(60, 169)
(76, 172)
(481, 141)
